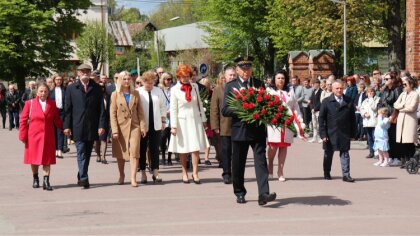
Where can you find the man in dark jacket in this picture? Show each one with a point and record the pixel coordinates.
(13, 106)
(84, 118)
(315, 105)
(337, 127)
(245, 135)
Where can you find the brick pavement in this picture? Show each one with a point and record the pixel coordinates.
(382, 201)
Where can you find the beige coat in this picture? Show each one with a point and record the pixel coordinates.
(128, 122)
(217, 120)
(407, 105)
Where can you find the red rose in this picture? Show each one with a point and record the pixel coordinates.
(243, 91)
(256, 116)
(244, 99)
(274, 121)
(267, 97)
(238, 96)
(250, 90)
(280, 108)
(276, 100)
(261, 90)
(278, 115)
(236, 92)
(259, 99)
(263, 111)
(270, 104)
(250, 93)
(251, 106)
(287, 122)
(245, 106)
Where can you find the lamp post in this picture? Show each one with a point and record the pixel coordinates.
(345, 34)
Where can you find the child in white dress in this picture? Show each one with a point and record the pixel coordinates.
(381, 137)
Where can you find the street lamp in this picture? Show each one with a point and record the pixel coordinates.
(345, 34)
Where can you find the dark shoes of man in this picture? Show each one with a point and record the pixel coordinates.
(207, 163)
(371, 155)
(262, 200)
(348, 179)
(240, 199)
(327, 176)
(227, 179)
(85, 184)
(66, 149)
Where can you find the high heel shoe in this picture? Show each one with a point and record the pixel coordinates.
(143, 177)
(35, 184)
(185, 181)
(196, 181)
(134, 184)
(46, 185)
(121, 180)
(156, 179)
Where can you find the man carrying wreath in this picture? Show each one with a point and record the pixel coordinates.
(245, 135)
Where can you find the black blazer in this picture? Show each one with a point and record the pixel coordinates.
(337, 123)
(63, 94)
(84, 112)
(242, 131)
(356, 100)
(316, 100)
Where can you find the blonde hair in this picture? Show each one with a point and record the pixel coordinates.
(120, 79)
(220, 78)
(148, 76)
(163, 78)
(383, 111)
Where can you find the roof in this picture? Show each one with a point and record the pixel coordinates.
(294, 54)
(184, 37)
(316, 53)
(138, 27)
(120, 33)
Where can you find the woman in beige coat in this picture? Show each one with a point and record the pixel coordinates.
(407, 104)
(127, 124)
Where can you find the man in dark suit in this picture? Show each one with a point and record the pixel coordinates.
(360, 97)
(337, 127)
(315, 105)
(245, 135)
(84, 118)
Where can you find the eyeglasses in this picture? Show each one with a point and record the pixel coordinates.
(386, 79)
(138, 82)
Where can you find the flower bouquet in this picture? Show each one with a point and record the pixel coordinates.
(205, 100)
(254, 105)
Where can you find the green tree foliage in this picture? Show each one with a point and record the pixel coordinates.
(130, 15)
(95, 44)
(236, 27)
(184, 9)
(34, 36)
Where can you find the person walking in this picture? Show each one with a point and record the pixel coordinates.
(127, 126)
(337, 127)
(84, 119)
(37, 128)
(13, 107)
(165, 85)
(368, 113)
(58, 95)
(154, 110)
(245, 135)
(187, 122)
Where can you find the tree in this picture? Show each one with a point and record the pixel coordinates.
(130, 15)
(184, 9)
(237, 28)
(95, 44)
(34, 36)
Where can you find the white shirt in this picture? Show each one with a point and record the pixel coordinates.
(58, 98)
(43, 104)
(338, 99)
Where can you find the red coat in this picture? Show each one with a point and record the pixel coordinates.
(39, 136)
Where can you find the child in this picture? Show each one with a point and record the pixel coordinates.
(381, 137)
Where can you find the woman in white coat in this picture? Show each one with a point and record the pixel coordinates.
(368, 113)
(187, 122)
(407, 104)
(281, 139)
(154, 110)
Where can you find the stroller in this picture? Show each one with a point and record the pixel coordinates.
(412, 166)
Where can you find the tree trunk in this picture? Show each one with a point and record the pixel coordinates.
(393, 26)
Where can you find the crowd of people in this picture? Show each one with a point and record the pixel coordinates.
(153, 117)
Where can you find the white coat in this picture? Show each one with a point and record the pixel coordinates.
(159, 109)
(369, 107)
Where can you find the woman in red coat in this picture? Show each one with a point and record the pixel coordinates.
(37, 131)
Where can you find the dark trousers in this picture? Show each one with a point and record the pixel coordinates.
(392, 138)
(3, 116)
(13, 119)
(59, 136)
(84, 150)
(226, 154)
(307, 115)
(344, 159)
(370, 138)
(151, 141)
(359, 124)
(239, 156)
(165, 138)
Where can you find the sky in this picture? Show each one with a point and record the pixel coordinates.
(146, 6)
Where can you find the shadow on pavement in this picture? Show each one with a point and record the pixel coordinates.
(310, 201)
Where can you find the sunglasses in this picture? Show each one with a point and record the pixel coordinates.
(138, 82)
(169, 79)
(386, 79)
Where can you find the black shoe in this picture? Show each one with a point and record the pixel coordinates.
(35, 184)
(327, 176)
(66, 150)
(348, 179)
(262, 200)
(198, 181)
(240, 199)
(86, 184)
(220, 165)
(371, 155)
(156, 179)
(169, 163)
(104, 161)
(207, 163)
(46, 185)
(227, 179)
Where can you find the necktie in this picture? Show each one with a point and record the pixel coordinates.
(246, 83)
(151, 122)
(340, 100)
(86, 87)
